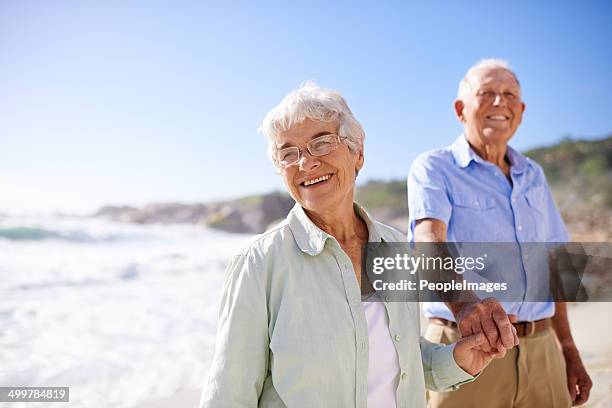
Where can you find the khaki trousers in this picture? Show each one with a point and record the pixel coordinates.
(531, 375)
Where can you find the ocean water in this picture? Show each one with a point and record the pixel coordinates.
(120, 313)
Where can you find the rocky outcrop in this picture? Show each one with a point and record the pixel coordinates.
(247, 215)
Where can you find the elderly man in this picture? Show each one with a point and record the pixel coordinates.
(479, 189)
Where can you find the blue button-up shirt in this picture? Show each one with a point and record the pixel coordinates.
(477, 203)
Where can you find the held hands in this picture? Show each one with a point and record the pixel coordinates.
(487, 333)
(468, 353)
(489, 318)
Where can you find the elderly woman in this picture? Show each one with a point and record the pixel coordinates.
(293, 329)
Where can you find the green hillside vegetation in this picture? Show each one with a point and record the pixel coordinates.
(579, 172)
(378, 194)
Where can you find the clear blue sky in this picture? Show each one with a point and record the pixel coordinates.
(128, 102)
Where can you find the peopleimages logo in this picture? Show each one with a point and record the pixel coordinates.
(412, 264)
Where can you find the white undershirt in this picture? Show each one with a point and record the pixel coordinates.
(383, 368)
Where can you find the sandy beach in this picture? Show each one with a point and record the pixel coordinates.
(594, 342)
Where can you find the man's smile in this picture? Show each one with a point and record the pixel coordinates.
(498, 118)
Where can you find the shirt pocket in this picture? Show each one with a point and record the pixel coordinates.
(473, 217)
(475, 202)
(536, 199)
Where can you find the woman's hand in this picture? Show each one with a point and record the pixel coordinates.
(471, 358)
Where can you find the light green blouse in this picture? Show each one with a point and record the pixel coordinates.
(293, 333)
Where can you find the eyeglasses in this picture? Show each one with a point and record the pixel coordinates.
(319, 146)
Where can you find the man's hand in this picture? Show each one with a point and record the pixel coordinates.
(489, 317)
(468, 353)
(578, 381)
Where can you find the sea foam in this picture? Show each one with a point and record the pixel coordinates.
(120, 313)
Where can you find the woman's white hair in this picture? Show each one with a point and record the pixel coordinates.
(487, 64)
(310, 101)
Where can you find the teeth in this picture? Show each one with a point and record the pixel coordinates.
(497, 117)
(317, 180)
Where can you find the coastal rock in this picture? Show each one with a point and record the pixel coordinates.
(251, 214)
(227, 219)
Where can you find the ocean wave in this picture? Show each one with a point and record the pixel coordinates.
(39, 234)
(26, 234)
(121, 322)
(40, 254)
(58, 284)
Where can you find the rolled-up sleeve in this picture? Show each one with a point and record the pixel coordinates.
(427, 192)
(240, 363)
(441, 371)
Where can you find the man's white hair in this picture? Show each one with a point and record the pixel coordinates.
(466, 84)
(310, 101)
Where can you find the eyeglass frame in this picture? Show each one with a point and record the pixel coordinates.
(338, 138)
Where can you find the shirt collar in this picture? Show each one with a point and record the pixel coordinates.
(311, 239)
(464, 154)
(518, 162)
